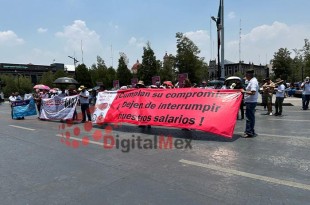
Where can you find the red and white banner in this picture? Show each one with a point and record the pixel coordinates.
(208, 110)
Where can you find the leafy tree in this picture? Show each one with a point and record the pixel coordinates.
(187, 58)
(111, 75)
(306, 56)
(123, 74)
(83, 75)
(98, 72)
(282, 63)
(47, 79)
(149, 66)
(10, 85)
(24, 84)
(59, 74)
(167, 72)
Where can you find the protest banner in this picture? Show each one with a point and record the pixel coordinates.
(208, 110)
(58, 108)
(23, 108)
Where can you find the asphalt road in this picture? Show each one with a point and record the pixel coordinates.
(38, 165)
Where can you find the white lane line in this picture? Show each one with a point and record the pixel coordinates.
(24, 128)
(280, 136)
(81, 140)
(288, 120)
(248, 175)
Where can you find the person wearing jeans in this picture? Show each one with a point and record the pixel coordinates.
(279, 97)
(250, 100)
(84, 100)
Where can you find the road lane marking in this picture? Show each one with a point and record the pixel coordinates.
(248, 175)
(81, 140)
(20, 127)
(280, 136)
(289, 120)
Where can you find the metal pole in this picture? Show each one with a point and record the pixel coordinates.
(219, 72)
(222, 41)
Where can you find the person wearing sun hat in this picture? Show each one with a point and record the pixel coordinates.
(280, 91)
(84, 100)
(140, 84)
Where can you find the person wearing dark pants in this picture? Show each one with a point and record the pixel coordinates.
(84, 100)
(279, 97)
(305, 93)
(250, 99)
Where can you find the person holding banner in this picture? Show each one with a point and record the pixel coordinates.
(84, 100)
(250, 99)
(12, 99)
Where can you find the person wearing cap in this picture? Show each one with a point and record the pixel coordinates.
(84, 101)
(268, 89)
(250, 100)
(305, 93)
(280, 91)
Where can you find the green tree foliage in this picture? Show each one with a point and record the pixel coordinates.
(98, 72)
(123, 74)
(282, 63)
(111, 75)
(17, 83)
(83, 75)
(167, 72)
(59, 74)
(149, 66)
(187, 58)
(47, 79)
(306, 56)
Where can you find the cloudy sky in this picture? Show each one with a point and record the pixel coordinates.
(47, 31)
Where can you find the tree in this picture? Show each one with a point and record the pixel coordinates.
(59, 74)
(10, 86)
(98, 72)
(110, 76)
(306, 56)
(83, 75)
(282, 63)
(149, 66)
(47, 79)
(167, 72)
(187, 58)
(123, 74)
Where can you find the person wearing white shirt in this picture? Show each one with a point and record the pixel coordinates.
(250, 100)
(12, 99)
(305, 93)
(84, 100)
(280, 91)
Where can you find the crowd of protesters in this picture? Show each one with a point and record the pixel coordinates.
(249, 87)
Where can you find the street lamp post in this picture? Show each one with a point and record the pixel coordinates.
(74, 61)
(218, 46)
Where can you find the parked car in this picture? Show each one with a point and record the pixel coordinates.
(217, 84)
(233, 79)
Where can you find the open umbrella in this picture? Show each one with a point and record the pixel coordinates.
(65, 80)
(41, 87)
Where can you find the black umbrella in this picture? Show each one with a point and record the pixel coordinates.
(65, 80)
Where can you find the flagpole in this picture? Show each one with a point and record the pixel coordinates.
(222, 41)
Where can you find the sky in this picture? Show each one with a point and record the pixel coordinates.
(48, 31)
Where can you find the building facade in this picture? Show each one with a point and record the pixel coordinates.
(232, 69)
(35, 72)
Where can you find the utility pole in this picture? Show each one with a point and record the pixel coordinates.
(222, 40)
(74, 61)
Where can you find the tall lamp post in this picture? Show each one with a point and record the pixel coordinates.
(74, 61)
(218, 45)
(220, 34)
